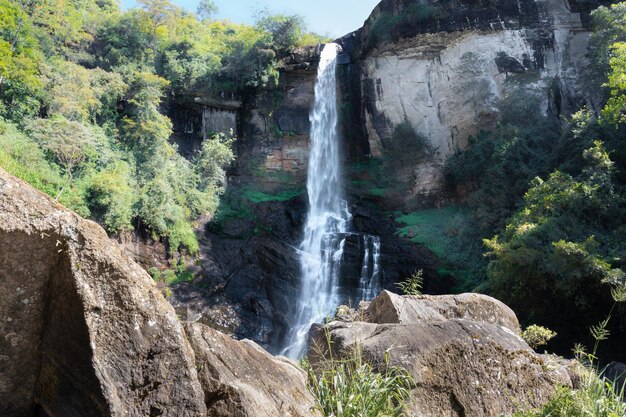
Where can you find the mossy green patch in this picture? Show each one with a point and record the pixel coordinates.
(377, 191)
(257, 196)
(445, 232)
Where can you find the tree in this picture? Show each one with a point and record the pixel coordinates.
(608, 29)
(81, 94)
(206, 9)
(126, 41)
(615, 109)
(215, 155)
(112, 196)
(286, 30)
(19, 62)
(144, 129)
(69, 143)
(161, 11)
(561, 248)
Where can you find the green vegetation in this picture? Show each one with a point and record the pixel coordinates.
(596, 396)
(450, 234)
(412, 285)
(405, 144)
(537, 336)
(257, 196)
(83, 88)
(391, 26)
(372, 178)
(353, 388)
(548, 199)
(239, 204)
(177, 275)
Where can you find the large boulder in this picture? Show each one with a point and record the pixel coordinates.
(393, 308)
(463, 362)
(241, 380)
(84, 331)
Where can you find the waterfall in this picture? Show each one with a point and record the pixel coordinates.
(328, 218)
(370, 283)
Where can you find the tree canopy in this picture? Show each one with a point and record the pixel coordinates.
(83, 88)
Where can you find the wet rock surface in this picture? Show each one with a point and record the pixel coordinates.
(249, 280)
(464, 361)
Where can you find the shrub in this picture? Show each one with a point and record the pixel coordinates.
(381, 29)
(596, 398)
(405, 144)
(22, 157)
(413, 284)
(537, 336)
(451, 234)
(389, 26)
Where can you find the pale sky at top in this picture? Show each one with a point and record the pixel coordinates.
(332, 17)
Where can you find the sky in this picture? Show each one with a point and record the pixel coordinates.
(334, 18)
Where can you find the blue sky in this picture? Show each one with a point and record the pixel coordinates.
(332, 17)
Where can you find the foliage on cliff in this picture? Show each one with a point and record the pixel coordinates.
(83, 88)
(550, 201)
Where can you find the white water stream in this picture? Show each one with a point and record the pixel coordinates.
(328, 219)
(370, 284)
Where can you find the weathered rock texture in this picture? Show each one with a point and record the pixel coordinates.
(241, 380)
(85, 332)
(446, 75)
(392, 308)
(464, 359)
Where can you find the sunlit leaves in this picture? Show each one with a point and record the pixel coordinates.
(615, 108)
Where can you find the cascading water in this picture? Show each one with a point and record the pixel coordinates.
(328, 219)
(370, 283)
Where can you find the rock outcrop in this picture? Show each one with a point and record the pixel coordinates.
(464, 354)
(85, 332)
(393, 308)
(241, 379)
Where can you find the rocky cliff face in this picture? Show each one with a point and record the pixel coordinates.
(85, 332)
(445, 68)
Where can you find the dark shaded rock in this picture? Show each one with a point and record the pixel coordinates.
(241, 380)
(615, 372)
(306, 57)
(508, 64)
(249, 278)
(294, 120)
